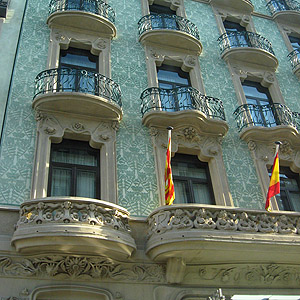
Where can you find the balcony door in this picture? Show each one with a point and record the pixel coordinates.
(173, 82)
(260, 104)
(237, 34)
(192, 181)
(289, 197)
(83, 5)
(163, 17)
(78, 70)
(295, 42)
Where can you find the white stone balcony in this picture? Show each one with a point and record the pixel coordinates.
(73, 225)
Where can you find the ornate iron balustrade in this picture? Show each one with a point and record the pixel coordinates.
(172, 22)
(294, 58)
(179, 99)
(275, 6)
(77, 80)
(244, 39)
(97, 7)
(269, 115)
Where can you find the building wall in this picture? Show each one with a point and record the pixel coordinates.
(140, 277)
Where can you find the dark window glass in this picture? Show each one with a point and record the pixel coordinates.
(191, 180)
(289, 198)
(78, 58)
(85, 5)
(78, 68)
(162, 17)
(233, 27)
(295, 41)
(74, 170)
(172, 78)
(160, 9)
(237, 34)
(261, 109)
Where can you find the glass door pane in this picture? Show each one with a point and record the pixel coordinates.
(86, 184)
(61, 181)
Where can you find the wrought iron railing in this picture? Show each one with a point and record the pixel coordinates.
(269, 115)
(97, 7)
(294, 58)
(275, 6)
(244, 39)
(179, 99)
(163, 21)
(77, 80)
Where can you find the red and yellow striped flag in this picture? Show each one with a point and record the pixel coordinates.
(169, 185)
(274, 187)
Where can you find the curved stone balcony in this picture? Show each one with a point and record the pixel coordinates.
(170, 30)
(183, 106)
(294, 58)
(267, 122)
(287, 11)
(190, 234)
(91, 15)
(77, 91)
(73, 225)
(248, 47)
(245, 6)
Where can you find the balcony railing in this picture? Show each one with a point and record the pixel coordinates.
(275, 6)
(171, 22)
(180, 99)
(97, 7)
(294, 58)
(244, 39)
(77, 80)
(269, 115)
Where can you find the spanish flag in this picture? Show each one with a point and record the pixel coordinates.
(274, 187)
(169, 185)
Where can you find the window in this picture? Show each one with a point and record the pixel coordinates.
(162, 17)
(77, 71)
(237, 34)
(85, 5)
(74, 170)
(174, 81)
(289, 198)
(260, 104)
(191, 180)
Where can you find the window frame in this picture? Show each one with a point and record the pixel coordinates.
(69, 144)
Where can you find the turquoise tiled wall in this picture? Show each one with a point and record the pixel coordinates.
(137, 186)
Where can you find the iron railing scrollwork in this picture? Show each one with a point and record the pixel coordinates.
(77, 80)
(275, 6)
(268, 115)
(294, 58)
(163, 21)
(180, 99)
(97, 7)
(244, 39)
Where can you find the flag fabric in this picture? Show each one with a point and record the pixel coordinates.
(169, 185)
(274, 187)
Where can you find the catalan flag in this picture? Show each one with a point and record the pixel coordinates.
(169, 185)
(274, 187)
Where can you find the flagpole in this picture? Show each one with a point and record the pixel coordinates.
(274, 186)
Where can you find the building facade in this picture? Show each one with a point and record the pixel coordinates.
(87, 90)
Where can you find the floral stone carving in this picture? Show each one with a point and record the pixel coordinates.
(94, 268)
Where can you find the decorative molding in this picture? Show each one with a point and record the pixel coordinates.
(190, 138)
(72, 211)
(79, 267)
(266, 275)
(195, 218)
